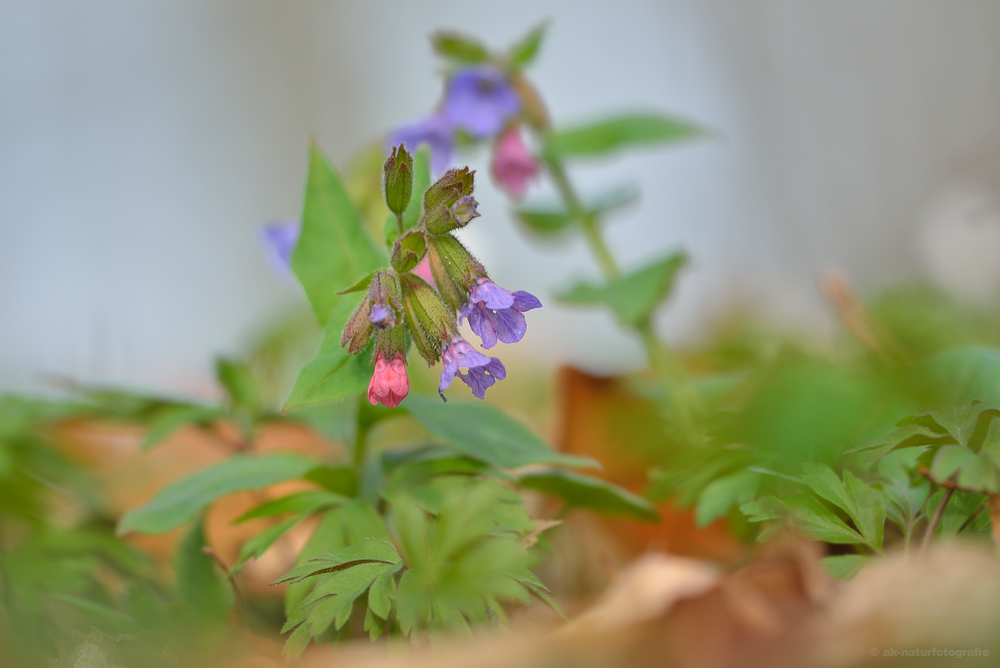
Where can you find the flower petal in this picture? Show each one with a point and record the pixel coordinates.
(525, 301)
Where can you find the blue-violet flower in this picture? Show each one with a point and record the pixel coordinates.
(483, 371)
(497, 314)
(480, 100)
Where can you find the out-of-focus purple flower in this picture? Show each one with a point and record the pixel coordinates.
(382, 316)
(513, 166)
(497, 314)
(435, 131)
(483, 371)
(279, 239)
(480, 100)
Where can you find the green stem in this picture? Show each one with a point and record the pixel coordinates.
(929, 534)
(399, 223)
(683, 399)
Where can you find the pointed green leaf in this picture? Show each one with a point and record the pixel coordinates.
(588, 492)
(723, 493)
(333, 249)
(260, 543)
(603, 137)
(551, 221)
(200, 586)
(460, 48)
(526, 50)
(360, 286)
(333, 374)
(381, 593)
(634, 297)
(906, 436)
(811, 517)
(484, 433)
(179, 502)
(373, 624)
(301, 502)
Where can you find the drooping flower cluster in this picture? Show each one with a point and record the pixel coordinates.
(481, 102)
(431, 285)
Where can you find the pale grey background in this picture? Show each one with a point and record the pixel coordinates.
(141, 145)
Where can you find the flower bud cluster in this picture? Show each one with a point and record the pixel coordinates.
(401, 307)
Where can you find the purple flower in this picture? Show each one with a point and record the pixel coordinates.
(483, 371)
(480, 100)
(279, 239)
(382, 316)
(435, 131)
(497, 314)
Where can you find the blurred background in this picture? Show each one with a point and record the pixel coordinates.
(142, 145)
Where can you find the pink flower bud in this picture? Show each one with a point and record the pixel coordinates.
(389, 384)
(513, 166)
(423, 270)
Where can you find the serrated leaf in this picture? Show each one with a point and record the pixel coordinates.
(524, 52)
(459, 48)
(179, 502)
(296, 643)
(960, 421)
(588, 492)
(374, 625)
(364, 551)
(381, 593)
(601, 138)
(723, 493)
(861, 503)
(949, 460)
(811, 517)
(906, 436)
(844, 566)
(333, 248)
(421, 182)
(980, 475)
(333, 374)
(484, 433)
(633, 297)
